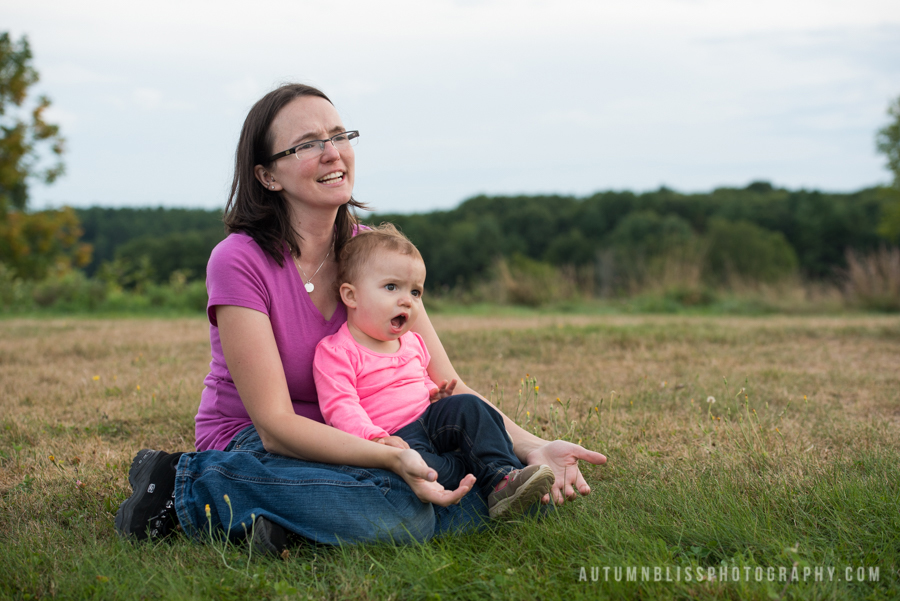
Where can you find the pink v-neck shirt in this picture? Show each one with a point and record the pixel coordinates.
(370, 394)
(240, 273)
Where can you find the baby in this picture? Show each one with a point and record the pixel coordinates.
(372, 379)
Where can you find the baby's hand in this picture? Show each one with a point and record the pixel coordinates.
(443, 392)
(392, 441)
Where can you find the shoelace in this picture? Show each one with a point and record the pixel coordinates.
(161, 523)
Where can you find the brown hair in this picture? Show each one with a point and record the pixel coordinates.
(360, 249)
(254, 209)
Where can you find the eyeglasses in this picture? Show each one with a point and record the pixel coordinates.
(314, 148)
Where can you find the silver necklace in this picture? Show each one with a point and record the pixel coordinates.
(309, 285)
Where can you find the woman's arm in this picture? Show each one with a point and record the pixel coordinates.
(560, 455)
(251, 354)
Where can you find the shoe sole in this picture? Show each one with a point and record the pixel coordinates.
(269, 538)
(527, 494)
(139, 479)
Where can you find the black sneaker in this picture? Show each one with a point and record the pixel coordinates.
(150, 510)
(268, 537)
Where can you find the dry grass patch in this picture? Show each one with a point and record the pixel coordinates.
(800, 444)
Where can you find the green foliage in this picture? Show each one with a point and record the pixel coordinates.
(184, 252)
(73, 292)
(887, 141)
(21, 136)
(34, 245)
(747, 251)
(570, 248)
(889, 227)
(649, 234)
(620, 233)
(107, 229)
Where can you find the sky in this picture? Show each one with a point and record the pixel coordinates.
(455, 98)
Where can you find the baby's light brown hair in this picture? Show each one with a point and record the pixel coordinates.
(360, 250)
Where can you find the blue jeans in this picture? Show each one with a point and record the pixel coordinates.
(326, 503)
(461, 435)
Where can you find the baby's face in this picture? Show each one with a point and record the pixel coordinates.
(387, 296)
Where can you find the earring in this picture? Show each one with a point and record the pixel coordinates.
(271, 186)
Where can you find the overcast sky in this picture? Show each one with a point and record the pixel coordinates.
(456, 98)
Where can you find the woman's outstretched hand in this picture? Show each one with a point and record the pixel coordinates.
(562, 457)
(423, 480)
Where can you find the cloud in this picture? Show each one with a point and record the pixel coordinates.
(147, 98)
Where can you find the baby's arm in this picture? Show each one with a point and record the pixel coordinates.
(338, 399)
(436, 391)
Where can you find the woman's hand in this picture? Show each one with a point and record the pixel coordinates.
(423, 480)
(562, 457)
(392, 441)
(445, 390)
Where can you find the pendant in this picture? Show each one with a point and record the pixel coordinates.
(309, 286)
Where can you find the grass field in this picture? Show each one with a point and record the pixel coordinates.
(737, 446)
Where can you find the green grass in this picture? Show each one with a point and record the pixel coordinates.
(795, 464)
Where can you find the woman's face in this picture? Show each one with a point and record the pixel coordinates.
(322, 181)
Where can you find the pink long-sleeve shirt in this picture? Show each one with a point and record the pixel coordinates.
(369, 394)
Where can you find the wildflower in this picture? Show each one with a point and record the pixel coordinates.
(79, 484)
(597, 409)
(804, 397)
(777, 430)
(558, 401)
(227, 500)
(208, 513)
(52, 458)
(536, 388)
(95, 378)
(710, 399)
(528, 413)
(138, 388)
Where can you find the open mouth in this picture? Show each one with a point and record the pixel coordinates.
(399, 321)
(332, 178)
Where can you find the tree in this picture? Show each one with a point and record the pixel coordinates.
(31, 244)
(21, 140)
(888, 143)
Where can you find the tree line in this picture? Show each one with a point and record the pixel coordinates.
(759, 232)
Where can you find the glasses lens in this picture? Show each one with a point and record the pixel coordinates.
(309, 149)
(348, 138)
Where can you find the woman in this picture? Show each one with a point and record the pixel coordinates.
(266, 455)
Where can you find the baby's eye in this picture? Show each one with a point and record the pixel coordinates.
(416, 292)
(391, 287)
